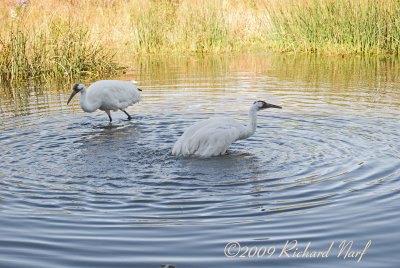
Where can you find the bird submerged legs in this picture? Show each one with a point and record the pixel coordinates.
(129, 117)
(109, 114)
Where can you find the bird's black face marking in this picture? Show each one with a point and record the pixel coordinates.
(76, 88)
(264, 105)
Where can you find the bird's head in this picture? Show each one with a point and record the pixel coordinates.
(77, 88)
(261, 105)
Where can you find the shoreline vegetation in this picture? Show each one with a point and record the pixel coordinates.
(49, 39)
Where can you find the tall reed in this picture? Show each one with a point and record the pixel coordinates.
(196, 26)
(60, 49)
(345, 26)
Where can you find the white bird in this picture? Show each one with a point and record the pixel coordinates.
(213, 136)
(107, 95)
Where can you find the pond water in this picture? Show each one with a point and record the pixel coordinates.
(78, 192)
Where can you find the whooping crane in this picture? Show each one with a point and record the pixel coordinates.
(213, 136)
(107, 95)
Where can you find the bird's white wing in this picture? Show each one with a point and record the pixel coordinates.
(115, 94)
(210, 137)
(126, 93)
(214, 141)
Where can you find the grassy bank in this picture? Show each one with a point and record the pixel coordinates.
(38, 45)
(65, 39)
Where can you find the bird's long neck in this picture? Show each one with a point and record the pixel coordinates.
(252, 124)
(86, 105)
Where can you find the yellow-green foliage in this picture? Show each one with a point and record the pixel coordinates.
(193, 26)
(51, 38)
(61, 50)
(46, 49)
(343, 26)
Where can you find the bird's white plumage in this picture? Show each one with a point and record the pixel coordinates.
(213, 136)
(210, 137)
(108, 95)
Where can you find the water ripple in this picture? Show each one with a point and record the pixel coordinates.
(326, 167)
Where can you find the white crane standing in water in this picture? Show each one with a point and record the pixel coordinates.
(213, 136)
(107, 95)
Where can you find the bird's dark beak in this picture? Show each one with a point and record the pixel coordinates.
(72, 95)
(139, 89)
(269, 105)
(274, 106)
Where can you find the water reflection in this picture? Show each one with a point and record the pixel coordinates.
(370, 81)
